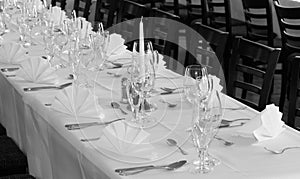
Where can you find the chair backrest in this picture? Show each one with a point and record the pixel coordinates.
(245, 53)
(61, 3)
(294, 93)
(106, 12)
(289, 23)
(214, 41)
(196, 11)
(163, 32)
(259, 20)
(218, 14)
(129, 11)
(82, 8)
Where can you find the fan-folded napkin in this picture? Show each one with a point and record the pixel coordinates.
(77, 102)
(37, 70)
(126, 140)
(267, 125)
(84, 26)
(57, 15)
(12, 53)
(116, 45)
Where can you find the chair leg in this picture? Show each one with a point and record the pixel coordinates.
(283, 84)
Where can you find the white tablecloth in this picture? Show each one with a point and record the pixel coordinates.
(54, 152)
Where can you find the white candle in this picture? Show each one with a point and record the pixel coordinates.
(45, 3)
(141, 49)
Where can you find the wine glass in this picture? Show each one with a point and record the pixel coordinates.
(204, 127)
(147, 67)
(135, 98)
(195, 78)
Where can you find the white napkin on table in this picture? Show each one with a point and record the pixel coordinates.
(267, 125)
(37, 70)
(12, 53)
(84, 26)
(124, 139)
(57, 15)
(76, 101)
(116, 45)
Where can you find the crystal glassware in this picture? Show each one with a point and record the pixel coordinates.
(204, 127)
(149, 66)
(194, 78)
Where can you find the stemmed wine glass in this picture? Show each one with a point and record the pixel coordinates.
(196, 83)
(149, 74)
(204, 127)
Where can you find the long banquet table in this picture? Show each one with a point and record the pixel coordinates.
(54, 152)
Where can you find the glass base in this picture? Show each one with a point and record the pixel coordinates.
(206, 166)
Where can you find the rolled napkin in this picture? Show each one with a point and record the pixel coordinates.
(267, 125)
(126, 140)
(37, 70)
(12, 53)
(75, 101)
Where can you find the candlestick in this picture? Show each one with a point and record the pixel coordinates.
(142, 49)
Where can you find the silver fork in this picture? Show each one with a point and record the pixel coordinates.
(281, 150)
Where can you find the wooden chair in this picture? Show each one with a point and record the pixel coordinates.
(2, 130)
(294, 92)
(82, 8)
(130, 14)
(208, 48)
(288, 18)
(196, 11)
(245, 52)
(172, 6)
(61, 3)
(259, 21)
(218, 15)
(165, 34)
(106, 12)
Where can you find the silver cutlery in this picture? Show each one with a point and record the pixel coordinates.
(226, 121)
(47, 87)
(173, 142)
(114, 74)
(116, 105)
(170, 92)
(170, 89)
(9, 76)
(170, 105)
(226, 142)
(9, 69)
(136, 170)
(235, 108)
(281, 151)
(90, 139)
(229, 125)
(77, 126)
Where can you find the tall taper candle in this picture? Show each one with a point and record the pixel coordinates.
(142, 49)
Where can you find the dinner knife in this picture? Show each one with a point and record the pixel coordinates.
(77, 126)
(9, 69)
(173, 165)
(47, 87)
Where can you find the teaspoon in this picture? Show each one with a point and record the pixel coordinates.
(172, 142)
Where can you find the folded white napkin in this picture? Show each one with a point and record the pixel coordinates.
(37, 70)
(116, 45)
(216, 84)
(84, 26)
(57, 15)
(76, 101)
(124, 139)
(267, 125)
(12, 53)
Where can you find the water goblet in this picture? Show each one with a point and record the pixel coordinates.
(135, 98)
(204, 127)
(193, 74)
